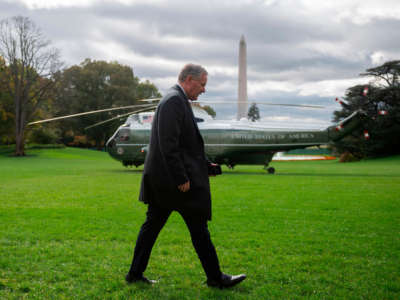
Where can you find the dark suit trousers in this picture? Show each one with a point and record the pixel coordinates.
(155, 221)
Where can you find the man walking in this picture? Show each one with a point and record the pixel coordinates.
(175, 178)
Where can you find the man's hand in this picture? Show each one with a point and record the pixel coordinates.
(184, 187)
(213, 165)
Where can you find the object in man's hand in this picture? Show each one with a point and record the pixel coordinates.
(214, 170)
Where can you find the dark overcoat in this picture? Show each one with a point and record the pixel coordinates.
(176, 155)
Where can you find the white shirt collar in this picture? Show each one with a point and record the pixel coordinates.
(183, 90)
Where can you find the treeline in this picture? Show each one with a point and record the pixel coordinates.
(34, 86)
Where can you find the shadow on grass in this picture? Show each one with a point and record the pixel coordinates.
(264, 173)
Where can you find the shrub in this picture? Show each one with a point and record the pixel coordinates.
(44, 136)
(348, 157)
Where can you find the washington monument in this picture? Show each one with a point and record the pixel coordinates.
(242, 87)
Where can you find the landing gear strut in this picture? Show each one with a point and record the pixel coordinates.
(269, 155)
(270, 170)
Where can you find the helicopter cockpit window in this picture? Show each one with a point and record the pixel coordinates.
(141, 120)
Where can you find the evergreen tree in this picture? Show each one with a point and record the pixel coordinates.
(380, 100)
(254, 113)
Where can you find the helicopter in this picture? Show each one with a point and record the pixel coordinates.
(228, 142)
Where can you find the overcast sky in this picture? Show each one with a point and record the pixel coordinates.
(298, 51)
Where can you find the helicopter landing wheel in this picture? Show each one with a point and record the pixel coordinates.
(271, 170)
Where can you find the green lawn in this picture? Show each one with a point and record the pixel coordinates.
(315, 230)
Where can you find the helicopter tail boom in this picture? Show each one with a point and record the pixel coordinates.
(346, 126)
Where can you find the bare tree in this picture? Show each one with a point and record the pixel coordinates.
(32, 65)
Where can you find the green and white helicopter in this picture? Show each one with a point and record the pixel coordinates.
(229, 142)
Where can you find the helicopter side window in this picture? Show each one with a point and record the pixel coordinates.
(198, 120)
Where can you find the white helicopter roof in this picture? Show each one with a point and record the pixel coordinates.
(143, 120)
(245, 124)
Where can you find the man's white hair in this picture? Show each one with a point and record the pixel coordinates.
(191, 69)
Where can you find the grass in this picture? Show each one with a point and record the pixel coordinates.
(315, 230)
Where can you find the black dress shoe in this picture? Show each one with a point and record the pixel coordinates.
(133, 279)
(226, 281)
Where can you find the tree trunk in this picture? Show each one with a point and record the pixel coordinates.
(20, 144)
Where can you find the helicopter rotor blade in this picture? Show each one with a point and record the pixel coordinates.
(151, 100)
(119, 116)
(230, 102)
(262, 103)
(89, 113)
